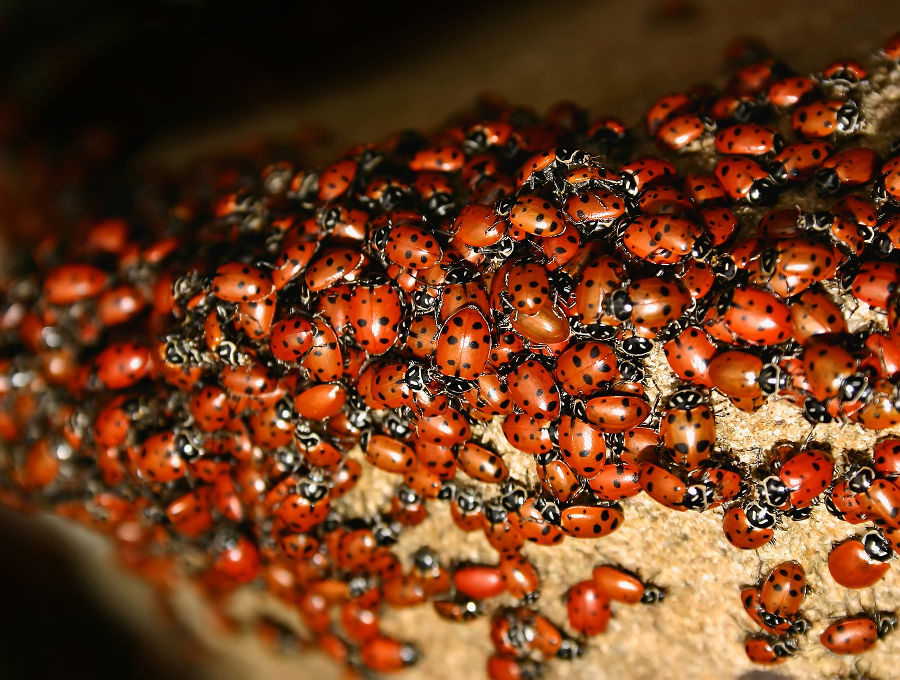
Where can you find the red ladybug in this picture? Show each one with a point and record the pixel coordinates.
(481, 463)
(585, 521)
(384, 654)
(70, 283)
(688, 429)
(750, 140)
(236, 282)
(588, 608)
(534, 391)
(744, 178)
(824, 118)
(464, 344)
(536, 216)
(585, 367)
(616, 481)
(757, 316)
(886, 457)
(783, 590)
(622, 586)
(501, 667)
(741, 533)
(663, 486)
(769, 651)
(860, 562)
(122, 364)
(480, 582)
(689, 354)
(857, 634)
(582, 445)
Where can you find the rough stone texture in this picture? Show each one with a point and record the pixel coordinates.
(698, 630)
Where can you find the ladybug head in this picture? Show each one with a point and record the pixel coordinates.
(407, 496)
(772, 379)
(860, 478)
(426, 559)
(686, 399)
(386, 533)
(698, 497)
(816, 412)
(468, 500)
(571, 648)
(636, 346)
(653, 594)
(886, 622)
(513, 495)
(773, 492)
(760, 516)
(618, 305)
(494, 512)
(877, 547)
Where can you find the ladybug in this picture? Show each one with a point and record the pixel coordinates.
(411, 246)
(71, 283)
(757, 316)
(584, 521)
(886, 457)
(680, 131)
(745, 179)
(236, 282)
(769, 651)
(650, 304)
(478, 226)
(774, 625)
(664, 108)
(481, 463)
(622, 586)
(387, 453)
(688, 429)
(384, 654)
(820, 119)
(501, 667)
(520, 576)
(799, 161)
(464, 344)
(588, 608)
(749, 140)
(857, 634)
(534, 390)
(845, 70)
(523, 433)
(444, 158)
(689, 354)
(860, 562)
(582, 445)
(741, 533)
(663, 486)
(719, 223)
(536, 216)
(616, 480)
(614, 412)
(638, 174)
(479, 582)
(332, 266)
(814, 313)
(375, 314)
(336, 179)
(783, 590)
(704, 190)
(790, 91)
(585, 367)
(663, 239)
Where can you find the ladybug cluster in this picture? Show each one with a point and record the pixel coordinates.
(208, 392)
